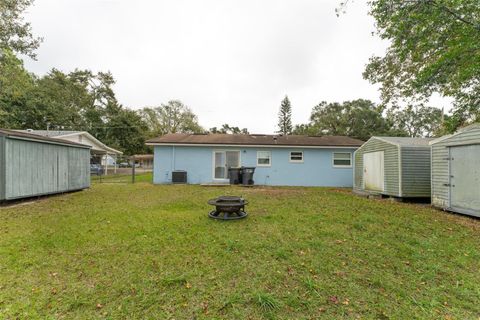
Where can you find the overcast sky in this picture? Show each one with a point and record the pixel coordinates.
(229, 61)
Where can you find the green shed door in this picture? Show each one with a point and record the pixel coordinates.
(465, 179)
(373, 171)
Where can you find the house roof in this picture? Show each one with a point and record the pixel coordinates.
(63, 134)
(406, 141)
(255, 140)
(143, 156)
(30, 136)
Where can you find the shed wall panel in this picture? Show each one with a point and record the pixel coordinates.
(78, 169)
(391, 160)
(441, 164)
(440, 175)
(416, 171)
(36, 168)
(2, 168)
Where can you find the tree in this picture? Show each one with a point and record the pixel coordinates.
(125, 130)
(304, 129)
(15, 33)
(16, 84)
(416, 121)
(358, 118)
(80, 100)
(434, 48)
(227, 129)
(173, 117)
(285, 117)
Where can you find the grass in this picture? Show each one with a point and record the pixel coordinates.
(266, 301)
(139, 251)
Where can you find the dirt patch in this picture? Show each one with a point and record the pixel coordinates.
(342, 190)
(467, 221)
(275, 191)
(259, 212)
(8, 205)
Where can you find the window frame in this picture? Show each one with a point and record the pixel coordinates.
(296, 161)
(342, 165)
(269, 158)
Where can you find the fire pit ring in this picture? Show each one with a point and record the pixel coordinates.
(228, 208)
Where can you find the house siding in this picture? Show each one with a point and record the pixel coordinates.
(441, 164)
(316, 170)
(391, 161)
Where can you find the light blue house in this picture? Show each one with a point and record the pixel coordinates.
(279, 160)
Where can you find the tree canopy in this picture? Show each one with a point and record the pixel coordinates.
(227, 129)
(434, 48)
(15, 33)
(285, 117)
(171, 117)
(79, 100)
(358, 118)
(363, 119)
(416, 121)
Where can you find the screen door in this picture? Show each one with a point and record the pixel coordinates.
(223, 160)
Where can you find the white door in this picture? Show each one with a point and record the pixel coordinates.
(465, 179)
(223, 160)
(373, 171)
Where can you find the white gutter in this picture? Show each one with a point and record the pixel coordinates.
(73, 144)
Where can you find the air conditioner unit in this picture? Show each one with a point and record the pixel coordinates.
(179, 176)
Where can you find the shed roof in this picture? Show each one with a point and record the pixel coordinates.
(29, 136)
(255, 140)
(474, 126)
(143, 156)
(52, 133)
(64, 134)
(406, 141)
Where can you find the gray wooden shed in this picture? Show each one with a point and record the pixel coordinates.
(31, 165)
(456, 171)
(393, 166)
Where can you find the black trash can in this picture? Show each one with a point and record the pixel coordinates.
(235, 175)
(247, 175)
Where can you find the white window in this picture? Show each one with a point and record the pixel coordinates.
(296, 156)
(342, 159)
(264, 158)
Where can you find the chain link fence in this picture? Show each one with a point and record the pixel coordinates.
(124, 170)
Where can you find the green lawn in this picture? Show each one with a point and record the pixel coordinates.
(123, 251)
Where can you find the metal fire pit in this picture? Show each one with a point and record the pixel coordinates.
(228, 208)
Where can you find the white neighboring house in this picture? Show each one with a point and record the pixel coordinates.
(108, 156)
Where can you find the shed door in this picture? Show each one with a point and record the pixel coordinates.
(373, 171)
(465, 178)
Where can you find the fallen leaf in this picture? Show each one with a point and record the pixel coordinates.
(333, 299)
(290, 270)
